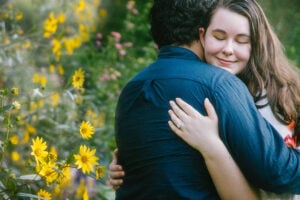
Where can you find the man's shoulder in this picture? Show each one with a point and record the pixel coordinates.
(181, 69)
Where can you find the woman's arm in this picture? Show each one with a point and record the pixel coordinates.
(201, 132)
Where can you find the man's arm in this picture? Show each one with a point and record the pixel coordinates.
(256, 146)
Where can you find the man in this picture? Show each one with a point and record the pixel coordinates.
(159, 165)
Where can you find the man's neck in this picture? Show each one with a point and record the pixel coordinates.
(195, 47)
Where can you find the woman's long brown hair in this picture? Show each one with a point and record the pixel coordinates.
(269, 68)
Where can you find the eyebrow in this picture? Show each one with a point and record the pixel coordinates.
(222, 31)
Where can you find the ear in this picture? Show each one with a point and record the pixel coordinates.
(202, 35)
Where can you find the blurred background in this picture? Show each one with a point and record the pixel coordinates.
(63, 64)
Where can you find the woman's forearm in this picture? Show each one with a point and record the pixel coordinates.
(226, 175)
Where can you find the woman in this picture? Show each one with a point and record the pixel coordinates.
(239, 39)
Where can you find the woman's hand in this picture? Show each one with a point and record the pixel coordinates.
(116, 172)
(200, 132)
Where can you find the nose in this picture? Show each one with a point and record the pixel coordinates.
(228, 48)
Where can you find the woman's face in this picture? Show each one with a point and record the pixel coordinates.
(226, 41)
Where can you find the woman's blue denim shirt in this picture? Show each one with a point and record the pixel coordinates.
(159, 165)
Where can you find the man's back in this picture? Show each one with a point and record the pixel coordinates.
(157, 163)
(160, 166)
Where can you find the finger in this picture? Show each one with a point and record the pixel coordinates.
(113, 166)
(177, 111)
(115, 183)
(174, 128)
(115, 187)
(211, 112)
(187, 108)
(115, 170)
(115, 158)
(116, 174)
(116, 153)
(175, 120)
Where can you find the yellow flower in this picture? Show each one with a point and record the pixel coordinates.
(43, 81)
(49, 171)
(86, 130)
(33, 106)
(44, 194)
(65, 177)
(78, 79)
(39, 149)
(15, 90)
(50, 25)
(80, 7)
(16, 105)
(70, 45)
(19, 16)
(60, 69)
(5, 41)
(55, 99)
(30, 129)
(51, 68)
(103, 12)
(14, 139)
(40, 103)
(96, 3)
(56, 46)
(61, 18)
(36, 78)
(85, 195)
(100, 172)
(53, 153)
(84, 32)
(27, 44)
(15, 156)
(81, 189)
(78, 100)
(86, 159)
(98, 120)
(26, 138)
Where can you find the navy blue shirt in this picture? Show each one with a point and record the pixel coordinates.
(159, 165)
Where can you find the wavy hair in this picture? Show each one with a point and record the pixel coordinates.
(268, 68)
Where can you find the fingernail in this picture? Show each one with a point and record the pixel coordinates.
(178, 99)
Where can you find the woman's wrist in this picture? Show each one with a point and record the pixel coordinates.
(213, 151)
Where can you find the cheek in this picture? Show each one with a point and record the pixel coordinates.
(243, 53)
(212, 47)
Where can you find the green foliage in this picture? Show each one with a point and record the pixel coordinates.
(43, 47)
(284, 16)
(110, 51)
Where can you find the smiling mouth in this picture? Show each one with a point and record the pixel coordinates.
(225, 63)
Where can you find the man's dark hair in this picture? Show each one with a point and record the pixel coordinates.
(176, 22)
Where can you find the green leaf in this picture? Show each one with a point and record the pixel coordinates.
(33, 177)
(29, 195)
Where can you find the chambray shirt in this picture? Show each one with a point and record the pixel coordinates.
(159, 165)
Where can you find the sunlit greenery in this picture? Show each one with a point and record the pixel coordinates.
(62, 66)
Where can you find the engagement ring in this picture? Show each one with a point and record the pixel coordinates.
(179, 125)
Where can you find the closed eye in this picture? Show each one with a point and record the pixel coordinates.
(219, 35)
(243, 39)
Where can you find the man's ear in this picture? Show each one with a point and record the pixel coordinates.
(201, 35)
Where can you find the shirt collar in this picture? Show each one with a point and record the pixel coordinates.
(177, 52)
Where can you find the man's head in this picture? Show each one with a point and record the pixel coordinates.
(177, 22)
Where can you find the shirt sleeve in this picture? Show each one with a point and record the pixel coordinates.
(256, 146)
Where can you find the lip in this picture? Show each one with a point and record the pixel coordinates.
(224, 62)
